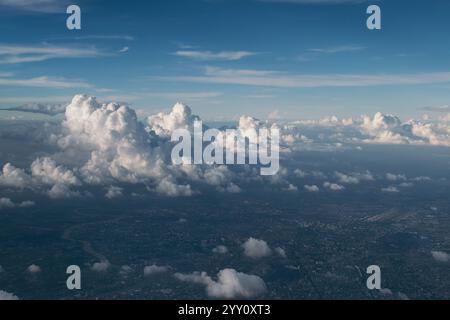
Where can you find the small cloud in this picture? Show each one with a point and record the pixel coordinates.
(386, 292)
(26, 204)
(281, 252)
(443, 109)
(422, 178)
(291, 188)
(390, 190)
(354, 178)
(125, 270)
(124, 49)
(402, 296)
(406, 185)
(212, 56)
(315, 2)
(105, 37)
(5, 296)
(62, 191)
(43, 108)
(345, 179)
(338, 49)
(312, 188)
(256, 249)
(44, 82)
(333, 186)
(261, 96)
(14, 54)
(33, 269)
(101, 266)
(314, 53)
(6, 203)
(169, 188)
(184, 45)
(37, 6)
(114, 192)
(220, 249)
(440, 256)
(230, 284)
(395, 177)
(300, 173)
(154, 269)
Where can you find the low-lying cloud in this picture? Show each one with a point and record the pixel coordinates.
(256, 249)
(230, 284)
(4, 296)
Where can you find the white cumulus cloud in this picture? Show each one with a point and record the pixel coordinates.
(8, 203)
(33, 269)
(7, 296)
(114, 192)
(440, 256)
(154, 269)
(333, 186)
(312, 188)
(230, 284)
(256, 249)
(101, 266)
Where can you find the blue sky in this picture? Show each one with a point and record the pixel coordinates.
(292, 59)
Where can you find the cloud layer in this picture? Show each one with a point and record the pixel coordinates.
(104, 144)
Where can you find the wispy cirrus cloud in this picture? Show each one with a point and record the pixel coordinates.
(43, 82)
(267, 78)
(38, 6)
(50, 109)
(313, 53)
(106, 37)
(315, 1)
(184, 95)
(444, 109)
(124, 49)
(337, 49)
(13, 54)
(211, 56)
(23, 100)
